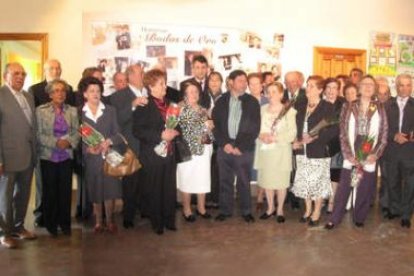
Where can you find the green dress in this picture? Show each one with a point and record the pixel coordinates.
(274, 161)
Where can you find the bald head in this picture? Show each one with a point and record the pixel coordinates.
(52, 70)
(135, 75)
(14, 75)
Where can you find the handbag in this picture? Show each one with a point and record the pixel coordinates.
(129, 165)
(182, 150)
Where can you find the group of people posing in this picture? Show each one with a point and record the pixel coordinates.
(317, 143)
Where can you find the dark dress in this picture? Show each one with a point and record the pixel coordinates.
(159, 173)
(99, 186)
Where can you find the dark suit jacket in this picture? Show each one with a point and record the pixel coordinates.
(148, 125)
(122, 101)
(174, 95)
(205, 98)
(41, 97)
(405, 151)
(300, 97)
(334, 144)
(249, 123)
(319, 147)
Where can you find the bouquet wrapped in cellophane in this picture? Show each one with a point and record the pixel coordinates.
(361, 156)
(171, 122)
(324, 123)
(90, 136)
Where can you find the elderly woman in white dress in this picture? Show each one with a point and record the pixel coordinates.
(273, 159)
(193, 177)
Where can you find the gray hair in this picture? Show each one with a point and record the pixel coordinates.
(403, 76)
(51, 85)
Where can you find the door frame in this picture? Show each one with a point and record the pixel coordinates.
(43, 38)
(318, 51)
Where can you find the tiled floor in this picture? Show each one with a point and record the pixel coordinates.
(207, 247)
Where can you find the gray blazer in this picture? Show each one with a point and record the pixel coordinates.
(17, 136)
(122, 101)
(45, 117)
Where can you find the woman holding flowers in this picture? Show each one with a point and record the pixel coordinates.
(312, 179)
(193, 176)
(363, 137)
(102, 118)
(154, 125)
(273, 154)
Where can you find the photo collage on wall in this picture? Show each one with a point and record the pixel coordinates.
(115, 46)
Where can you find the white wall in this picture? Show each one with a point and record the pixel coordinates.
(305, 23)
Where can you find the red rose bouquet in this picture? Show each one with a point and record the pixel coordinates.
(171, 122)
(90, 136)
(361, 155)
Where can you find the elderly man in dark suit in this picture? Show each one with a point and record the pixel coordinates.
(53, 71)
(400, 151)
(236, 117)
(294, 91)
(17, 154)
(125, 102)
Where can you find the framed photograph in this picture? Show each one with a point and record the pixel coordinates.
(188, 58)
(122, 37)
(155, 51)
(121, 63)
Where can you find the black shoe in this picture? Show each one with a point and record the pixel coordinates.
(159, 231)
(67, 231)
(204, 216)
(221, 217)
(359, 224)
(189, 218)
(52, 231)
(248, 218)
(266, 215)
(171, 228)
(295, 205)
(304, 219)
(329, 226)
(39, 223)
(313, 223)
(280, 219)
(405, 223)
(128, 224)
(391, 216)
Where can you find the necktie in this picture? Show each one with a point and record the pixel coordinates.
(25, 107)
(401, 107)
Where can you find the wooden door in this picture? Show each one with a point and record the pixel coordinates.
(330, 62)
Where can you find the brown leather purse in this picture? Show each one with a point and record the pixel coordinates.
(129, 165)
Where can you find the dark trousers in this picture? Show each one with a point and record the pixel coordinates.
(159, 193)
(365, 190)
(383, 191)
(57, 193)
(401, 187)
(231, 166)
(130, 193)
(213, 196)
(38, 210)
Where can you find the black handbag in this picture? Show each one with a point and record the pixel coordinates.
(182, 150)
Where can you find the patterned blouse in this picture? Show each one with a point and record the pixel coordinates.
(193, 128)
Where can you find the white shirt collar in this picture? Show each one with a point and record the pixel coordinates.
(401, 99)
(13, 91)
(139, 93)
(89, 114)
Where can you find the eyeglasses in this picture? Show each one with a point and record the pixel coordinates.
(367, 84)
